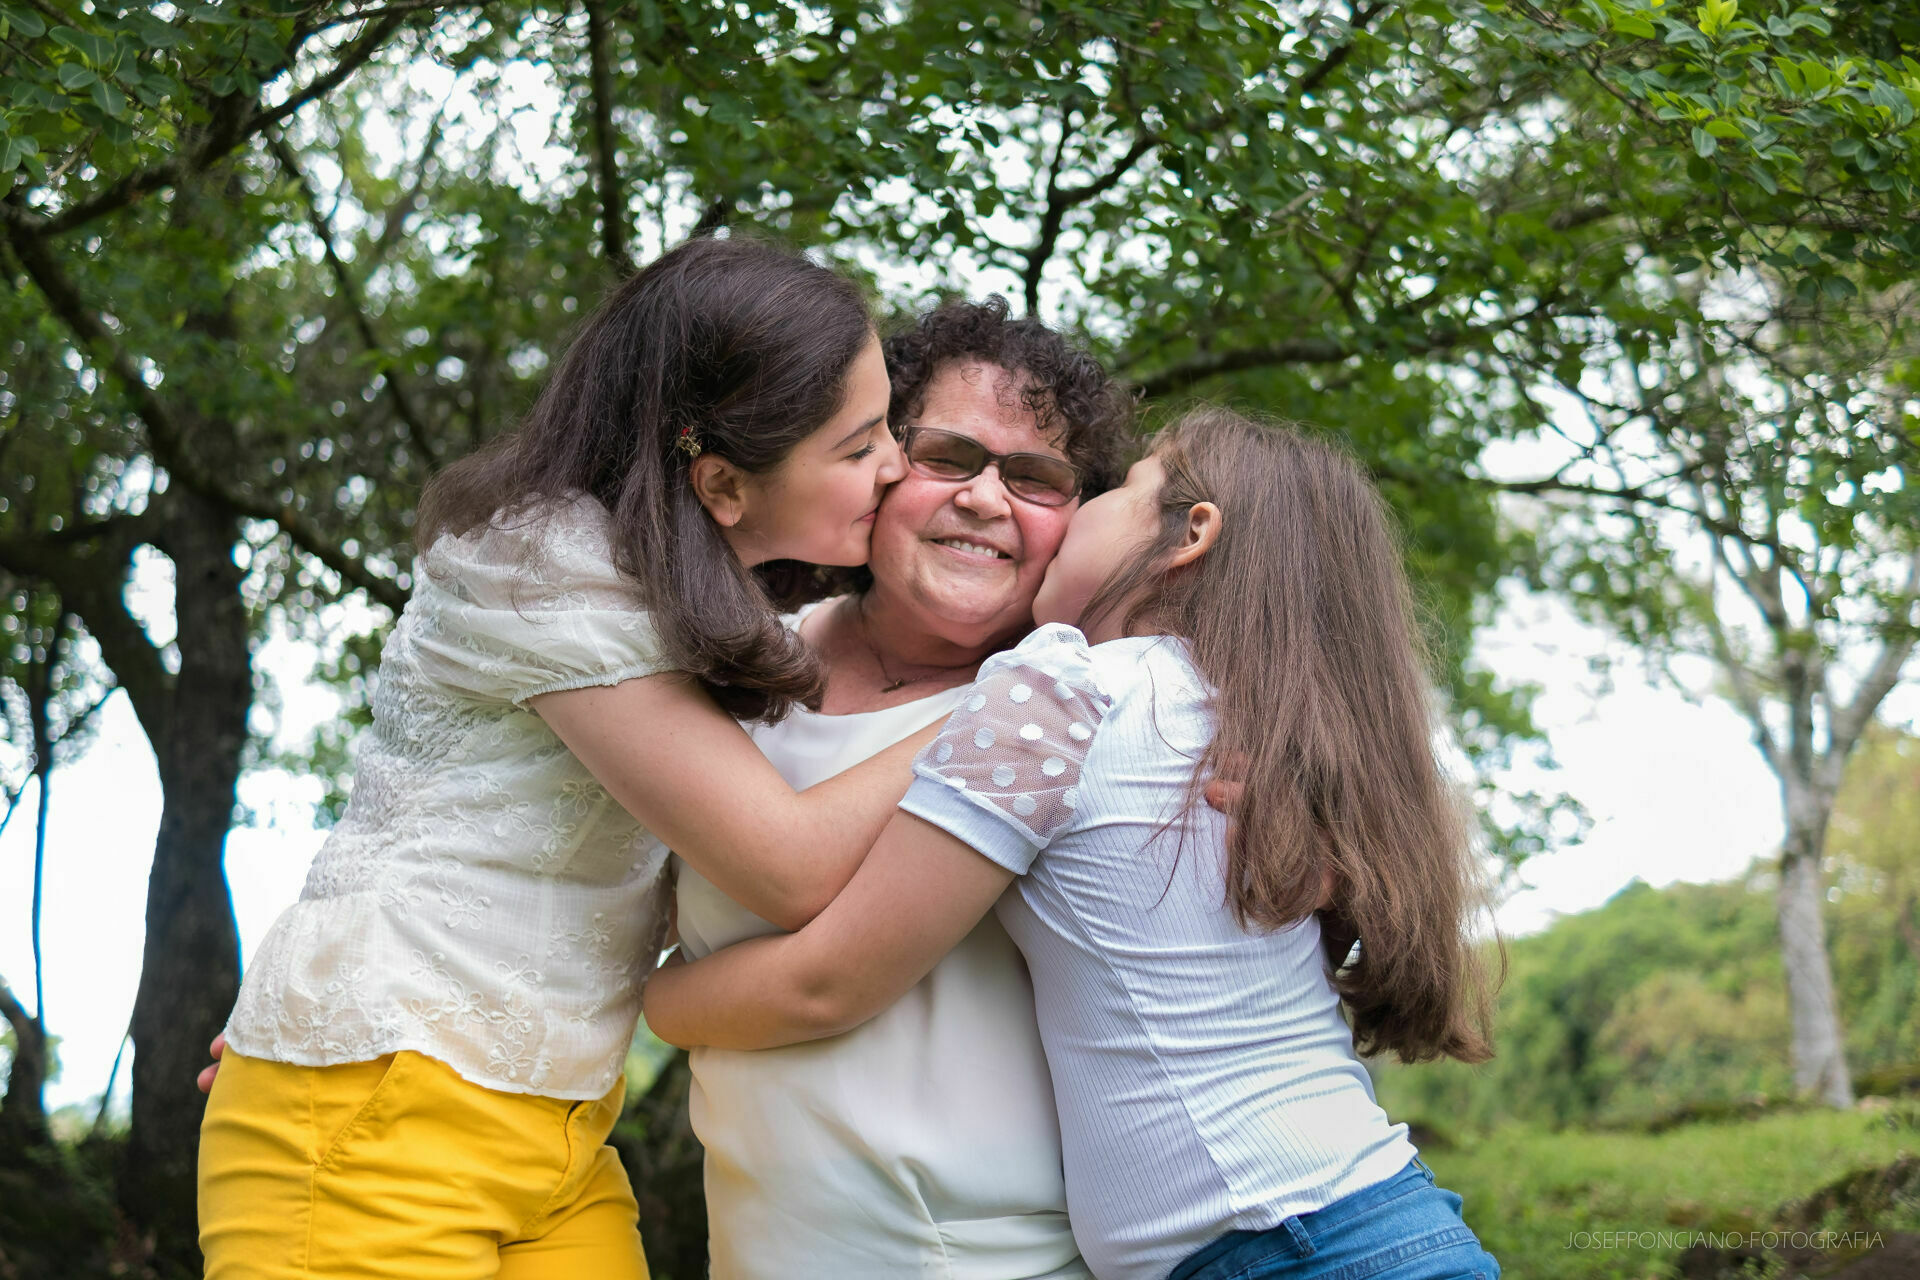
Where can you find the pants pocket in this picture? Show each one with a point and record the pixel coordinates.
(346, 1101)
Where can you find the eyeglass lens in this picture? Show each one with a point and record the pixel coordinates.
(1035, 477)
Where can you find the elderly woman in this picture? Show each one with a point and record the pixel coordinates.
(925, 1142)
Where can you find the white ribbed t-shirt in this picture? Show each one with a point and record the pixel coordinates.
(1205, 1080)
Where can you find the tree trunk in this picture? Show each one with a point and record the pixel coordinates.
(1819, 1052)
(23, 1112)
(191, 967)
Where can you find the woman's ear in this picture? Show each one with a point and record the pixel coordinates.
(720, 487)
(1203, 530)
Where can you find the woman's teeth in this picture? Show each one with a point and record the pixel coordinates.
(974, 547)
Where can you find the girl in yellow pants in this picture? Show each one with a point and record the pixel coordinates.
(425, 1056)
(399, 1168)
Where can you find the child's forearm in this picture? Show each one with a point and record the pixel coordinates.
(917, 894)
(696, 781)
(842, 819)
(755, 994)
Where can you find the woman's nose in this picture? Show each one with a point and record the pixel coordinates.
(984, 495)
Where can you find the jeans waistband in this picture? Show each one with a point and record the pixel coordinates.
(1302, 1226)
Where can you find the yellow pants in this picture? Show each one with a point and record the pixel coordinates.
(399, 1168)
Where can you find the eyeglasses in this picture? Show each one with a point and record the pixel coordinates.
(1039, 478)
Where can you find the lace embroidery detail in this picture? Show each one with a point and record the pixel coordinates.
(483, 899)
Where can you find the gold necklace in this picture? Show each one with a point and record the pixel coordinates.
(866, 638)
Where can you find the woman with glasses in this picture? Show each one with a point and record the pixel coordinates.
(925, 1143)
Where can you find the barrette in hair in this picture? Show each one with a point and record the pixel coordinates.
(689, 441)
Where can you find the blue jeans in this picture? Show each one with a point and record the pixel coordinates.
(1402, 1229)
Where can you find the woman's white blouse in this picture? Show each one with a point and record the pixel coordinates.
(1205, 1079)
(921, 1144)
(483, 900)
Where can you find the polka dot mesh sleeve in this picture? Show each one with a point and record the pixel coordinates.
(1017, 743)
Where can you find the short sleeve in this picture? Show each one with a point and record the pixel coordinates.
(530, 607)
(1004, 775)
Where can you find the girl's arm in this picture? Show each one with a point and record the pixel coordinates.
(688, 773)
(915, 897)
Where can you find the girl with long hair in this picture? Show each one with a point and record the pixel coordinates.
(423, 1065)
(1241, 607)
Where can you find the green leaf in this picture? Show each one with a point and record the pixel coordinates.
(1839, 288)
(1703, 142)
(27, 23)
(1630, 25)
(1893, 100)
(153, 32)
(15, 151)
(109, 99)
(728, 109)
(75, 77)
(1810, 17)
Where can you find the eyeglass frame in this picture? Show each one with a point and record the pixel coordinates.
(988, 459)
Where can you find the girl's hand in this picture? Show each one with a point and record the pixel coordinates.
(1224, 794)
(217, 1048)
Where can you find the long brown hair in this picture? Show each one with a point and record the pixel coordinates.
(748, 346)
(1300, 618)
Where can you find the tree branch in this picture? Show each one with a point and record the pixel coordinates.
(1338, 54)
(1851, 721)
(1288, 351)
(227, 132)
(24, 1025)
(163, 430)
(395, 389)
(40, 713)
(309, 539)
(166, 436)
(91, 579)
(1061, 199)
(1744, 692)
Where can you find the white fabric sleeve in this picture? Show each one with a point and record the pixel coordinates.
(534, 606)
(1004, 774)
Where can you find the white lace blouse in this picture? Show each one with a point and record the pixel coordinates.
(483, 901)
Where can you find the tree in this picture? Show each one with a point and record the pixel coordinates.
(1739, 439)
(129, 414)
(1747, 503)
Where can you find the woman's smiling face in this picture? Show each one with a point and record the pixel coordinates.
(967, 550)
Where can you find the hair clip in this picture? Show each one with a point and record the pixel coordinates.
(689, 441)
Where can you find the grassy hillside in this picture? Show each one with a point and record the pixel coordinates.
(1543, 1202)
